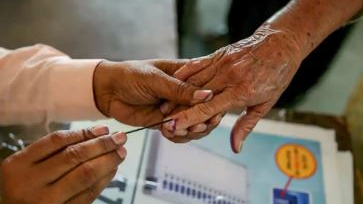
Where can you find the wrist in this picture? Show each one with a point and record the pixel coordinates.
(286, 39)
(310, 22)
(102, 87)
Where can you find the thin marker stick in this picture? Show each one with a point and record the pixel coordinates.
(149, 126)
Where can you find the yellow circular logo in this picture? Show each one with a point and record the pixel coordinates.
(296, 161)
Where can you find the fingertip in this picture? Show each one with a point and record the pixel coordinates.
(182, 132)
(164, 108)
(236, 144)
(233, 146)
(119, 138)
(167, 107)
(171, 125)
(100, 130)
(216, 119)
(198, 128)
(166, 133)
(122, 152)
(237, 139)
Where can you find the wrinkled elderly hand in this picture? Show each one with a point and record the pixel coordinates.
(250, 74)
(64, 167)
(132, 91)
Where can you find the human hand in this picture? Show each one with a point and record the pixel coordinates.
(132, 91)
(250, 74)
(193, 132)
(63, 167)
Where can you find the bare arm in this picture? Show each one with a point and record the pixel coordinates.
(311, 21)
(254, 72)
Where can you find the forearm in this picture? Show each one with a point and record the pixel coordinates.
(39, 84)
(309, 22)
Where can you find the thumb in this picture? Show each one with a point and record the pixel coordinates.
(245, 124)
(180, 92)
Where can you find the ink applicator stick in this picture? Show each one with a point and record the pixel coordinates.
(149, 126)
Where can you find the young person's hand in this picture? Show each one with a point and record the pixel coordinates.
(63, 167)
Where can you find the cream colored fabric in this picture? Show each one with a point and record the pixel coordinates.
(39, 84)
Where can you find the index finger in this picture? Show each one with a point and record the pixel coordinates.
(79, 153)
(54, 142)
(203, 111)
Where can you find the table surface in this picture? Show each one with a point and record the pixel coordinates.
(332, 122)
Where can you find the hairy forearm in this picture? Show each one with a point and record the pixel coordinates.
(309, 22)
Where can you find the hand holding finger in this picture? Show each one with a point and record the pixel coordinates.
(76, 154)
(56, 141)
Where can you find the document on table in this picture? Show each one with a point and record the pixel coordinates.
(280, 163)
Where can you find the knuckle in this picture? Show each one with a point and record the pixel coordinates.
(234, 72)
(249, 127)
(237, 98)
(58, 136)
(205, 111)
(87, 133)
(186, 115)
(74, 154)
(88, 175)
(220, 54)
(106, 144)
(195, 80)
(180, 90)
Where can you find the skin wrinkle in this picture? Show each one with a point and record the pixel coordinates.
(255, 82)
(276, 50)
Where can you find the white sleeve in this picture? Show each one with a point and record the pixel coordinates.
(39, 84)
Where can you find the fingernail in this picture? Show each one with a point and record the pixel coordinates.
(199, 128)
(217, 119)
(203, 95)
(170, 125)
(240, 146)
(119, 138)
(244, 111)
(121, 152)
(183, 132)
(164, 108)
(100, 130)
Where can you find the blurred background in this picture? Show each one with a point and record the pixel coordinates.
(141, 29)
